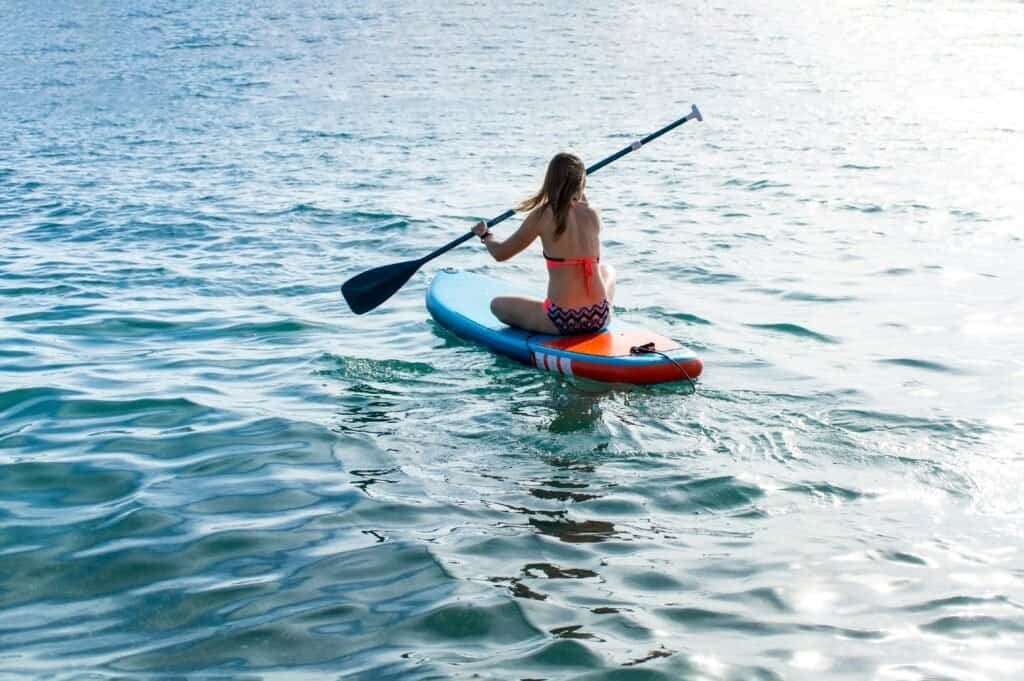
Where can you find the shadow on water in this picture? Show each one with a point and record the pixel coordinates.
(574, 411)
(578, 405)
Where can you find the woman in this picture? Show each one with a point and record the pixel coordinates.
(580, 289)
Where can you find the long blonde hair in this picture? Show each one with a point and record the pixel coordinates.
(565, 177)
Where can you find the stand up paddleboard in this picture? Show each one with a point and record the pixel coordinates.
(461, 302)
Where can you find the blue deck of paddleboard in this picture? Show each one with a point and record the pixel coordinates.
(461, 302)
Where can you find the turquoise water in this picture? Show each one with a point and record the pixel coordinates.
(209, 468)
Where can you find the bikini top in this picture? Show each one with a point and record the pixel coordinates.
(585, 264)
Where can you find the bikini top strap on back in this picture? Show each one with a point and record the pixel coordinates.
(555, 262)
(585, 264)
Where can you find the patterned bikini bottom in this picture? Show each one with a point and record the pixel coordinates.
(586, 319)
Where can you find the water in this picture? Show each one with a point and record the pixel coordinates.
(209, 468)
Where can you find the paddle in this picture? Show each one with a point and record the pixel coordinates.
(366, 291)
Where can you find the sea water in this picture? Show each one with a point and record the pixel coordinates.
(210, 468)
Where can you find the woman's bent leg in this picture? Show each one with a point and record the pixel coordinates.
(523, 313)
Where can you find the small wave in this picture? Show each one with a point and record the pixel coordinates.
(701, 619)
(64, 210)
(470, 621)
(863, 420)
(366, 221)
(956, 602)
(113, 327)
(59, 49)
(968, 215)
(50, 484)
(826, 491)
(200, 42)
(325, 134)
(364, 369)
(818, 298)
(263, 328)
(56, 313)
(143, 412)
(796, 330)
(756, 185)
(147, 13)
(175, 231)
(365, 216)
(210, 448)
(662, 313)
(765, 184)
(761, 596)
(904, 557)
(920, 364)
(299, 209)
(144, 327)
(38, 366)
(25, 397)
(974, 626)
(700, 275)
(564, 653)
(49, 230)
(863, 208)
(57, 290)
(325, 612)
(856, 166)
(710, 495)
(300, 290)
(57, 82)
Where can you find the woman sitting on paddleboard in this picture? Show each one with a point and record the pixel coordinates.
(580, 289)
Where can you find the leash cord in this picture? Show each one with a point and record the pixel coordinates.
(648, 349)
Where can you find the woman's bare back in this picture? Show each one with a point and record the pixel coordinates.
(567, 285)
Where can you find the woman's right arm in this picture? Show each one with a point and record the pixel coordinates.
(516, 242)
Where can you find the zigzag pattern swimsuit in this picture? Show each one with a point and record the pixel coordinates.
(585, 319)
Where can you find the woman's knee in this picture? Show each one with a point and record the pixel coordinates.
(499, 308)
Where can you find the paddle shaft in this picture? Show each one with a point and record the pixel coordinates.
(366, 291)
(694, 113)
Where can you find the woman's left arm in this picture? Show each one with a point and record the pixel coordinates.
(515, 243)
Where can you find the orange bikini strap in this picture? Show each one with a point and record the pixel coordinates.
(586, 266)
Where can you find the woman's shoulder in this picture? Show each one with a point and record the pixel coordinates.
(587, 213)
(586, 205)
(542, 212)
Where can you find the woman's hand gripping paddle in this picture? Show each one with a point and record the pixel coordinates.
(366, 291)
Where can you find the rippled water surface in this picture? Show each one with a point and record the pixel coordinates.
(209, 468)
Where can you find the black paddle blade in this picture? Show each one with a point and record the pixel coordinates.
(366, 291)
